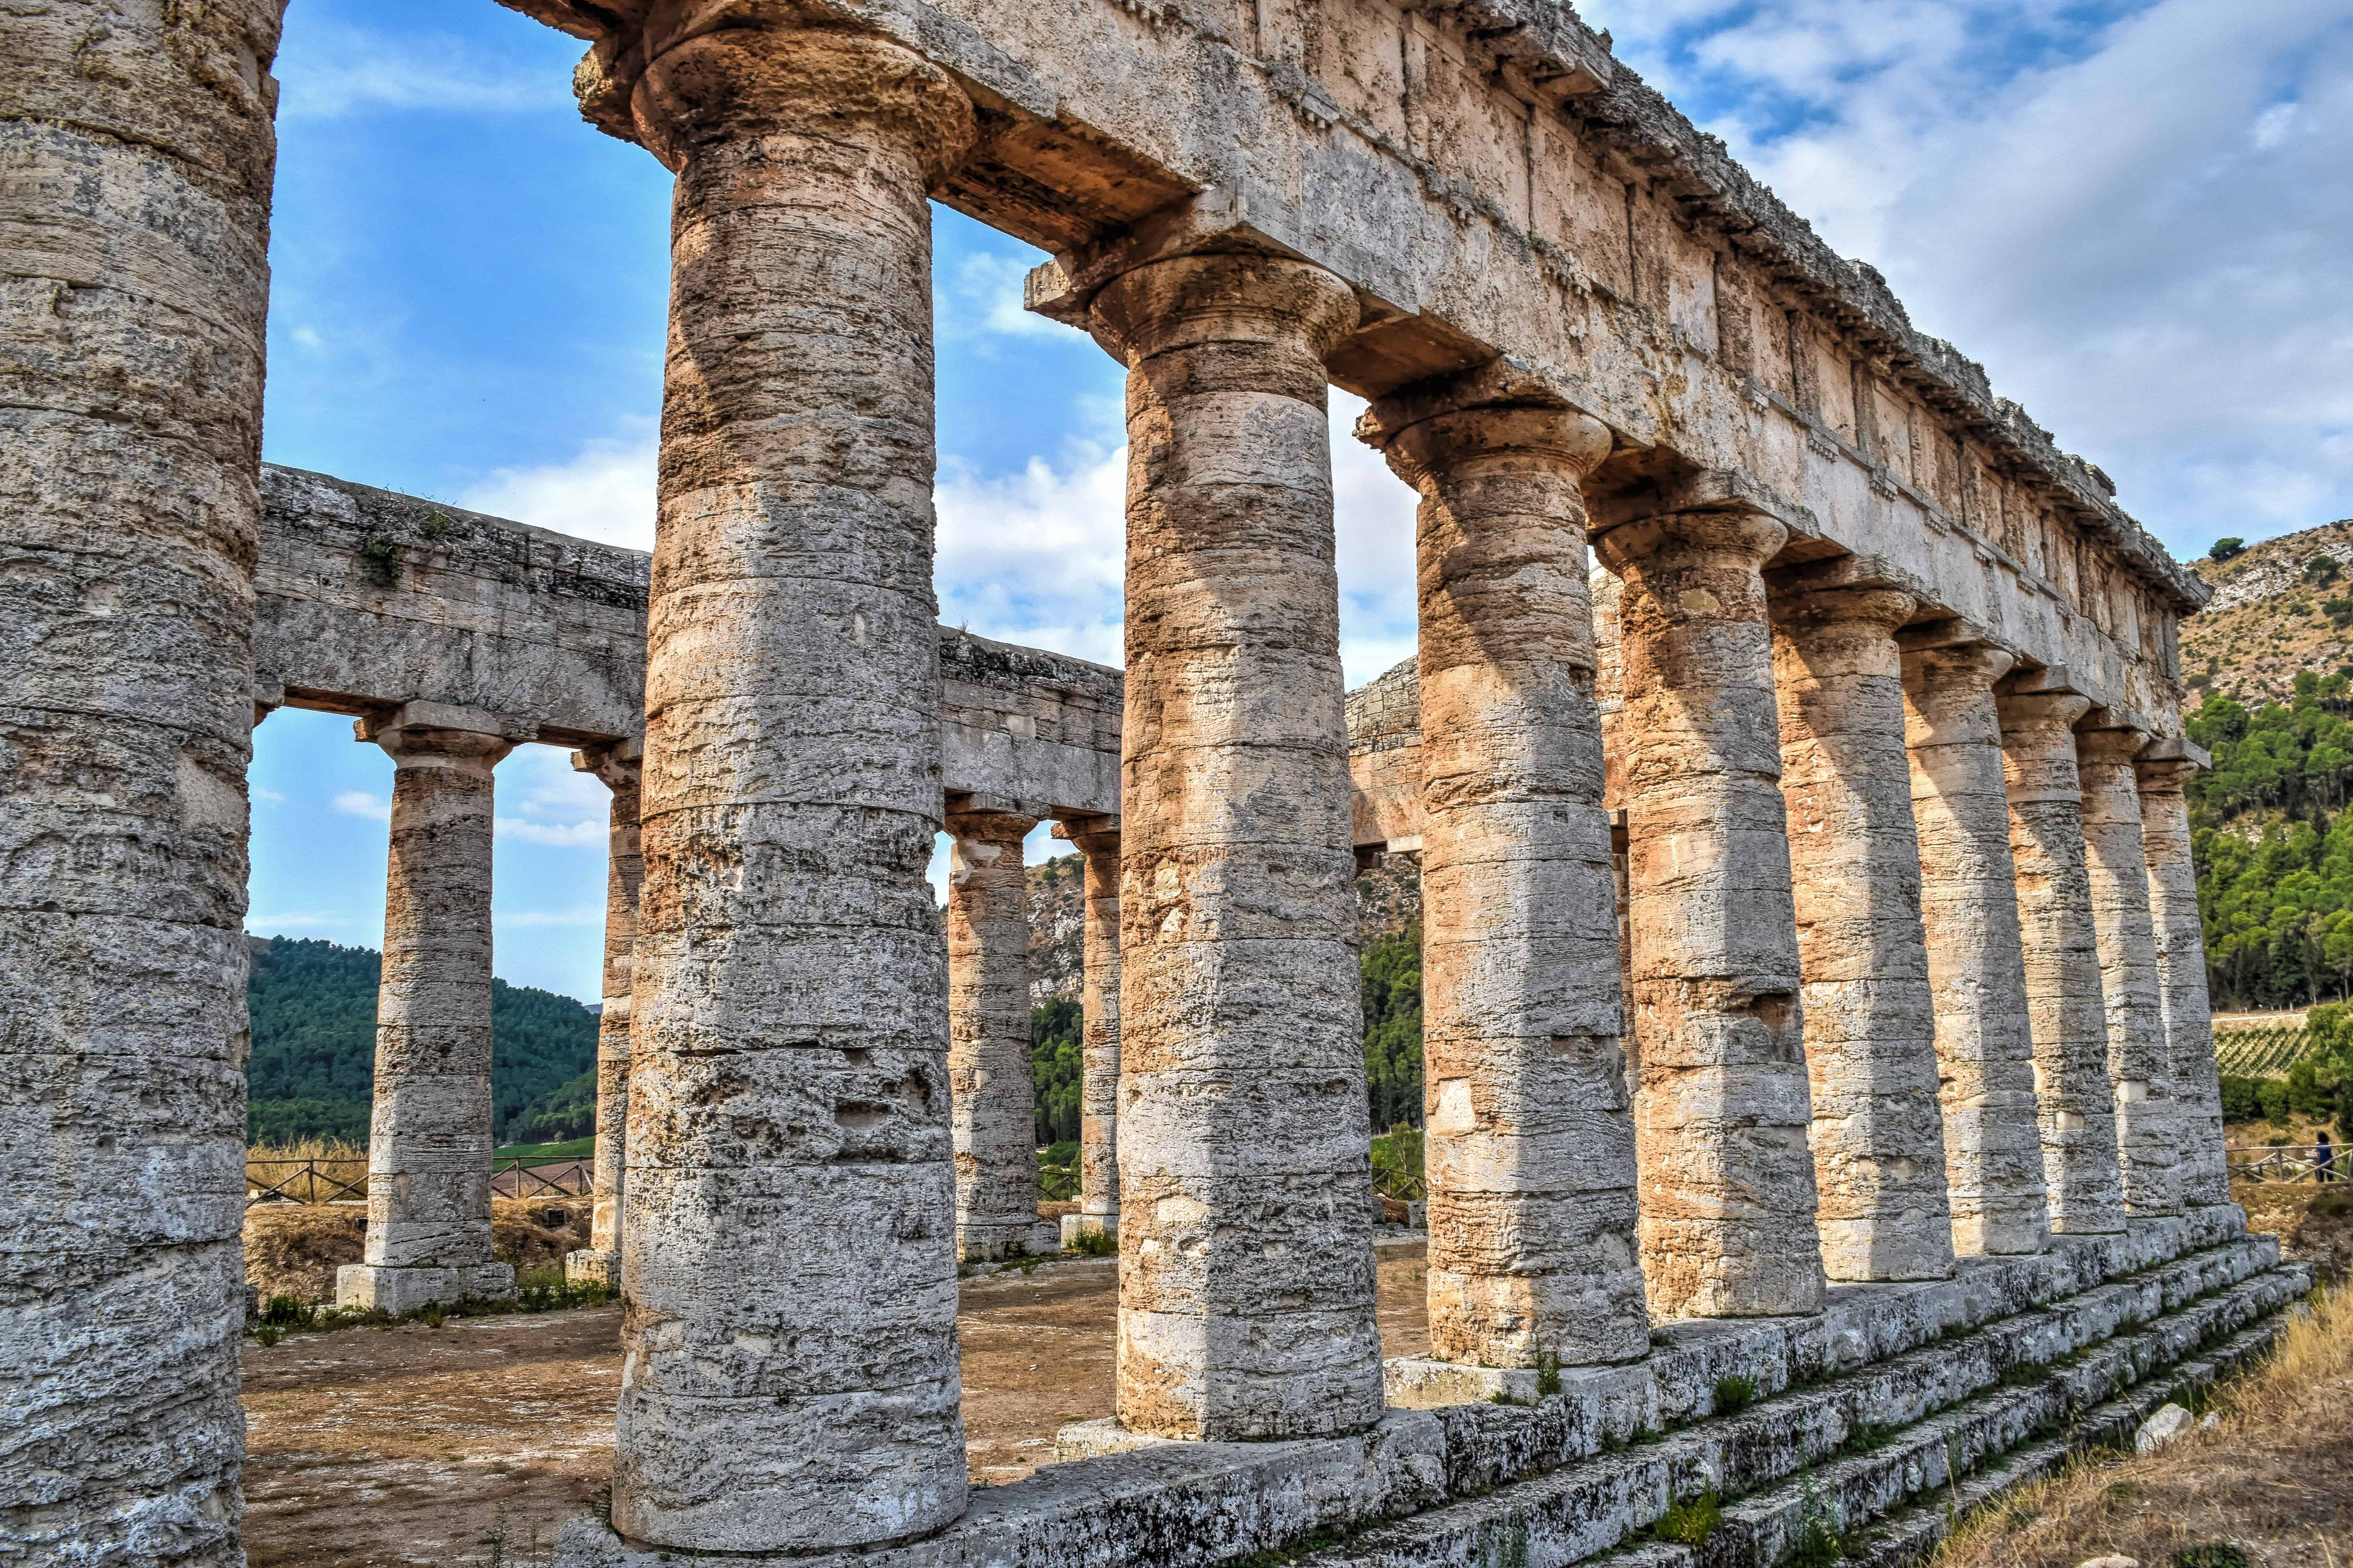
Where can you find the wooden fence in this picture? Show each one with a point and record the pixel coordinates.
(313, 1181)
(2292, 1163)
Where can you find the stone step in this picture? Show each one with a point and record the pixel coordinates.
(2004, 1402)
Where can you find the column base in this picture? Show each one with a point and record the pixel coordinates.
(1075, 1226)
(995, 1243)
(399, 1290)
(1104, 1434)
(593, 1266)
(1624, 1392)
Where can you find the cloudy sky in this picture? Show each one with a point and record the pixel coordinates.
(2127, 210)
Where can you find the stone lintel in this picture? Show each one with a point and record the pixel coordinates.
(627, 749)
(2176, 749)
(2040, 681)
(961, 803)
(2100, 719)
(1699, 489)
(1078, 825)
(1503, 382)
(1847, 572)
(420, 715)
(1930, 635)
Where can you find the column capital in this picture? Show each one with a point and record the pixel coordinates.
(1975, 667)
(984, 825)
(2163, 775)
(437, 736)
(1095, 834)
(1184, 301)
(2110, 745)
(1424, 437)
(2052, 713)
(1749, 536)
(674, 79)
(1864, 605)
(619, 764)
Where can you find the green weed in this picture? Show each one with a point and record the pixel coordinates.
(1692, 1521)
(1734, 1393)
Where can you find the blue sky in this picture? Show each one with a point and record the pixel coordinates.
(2132, 213)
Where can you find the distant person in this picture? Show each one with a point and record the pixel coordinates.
(2323, 1160)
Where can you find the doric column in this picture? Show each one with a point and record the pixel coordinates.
(2140, 1065)
(1870, 1031)
(134, 224)
(1977, 971)
(620, 767)
(1529, 1144)
(2181, 978)
(994, 1116)
(2065, 1011)
(1723, 1112)
(1097, 838)
(789, 1097)
(1246, 1268)
(430, 1136)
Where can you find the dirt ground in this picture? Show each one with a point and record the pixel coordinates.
(370, 1448)
(293, 1249)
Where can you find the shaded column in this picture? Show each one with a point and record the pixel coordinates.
(994, 1118)
(1871, 1032)
(1097, 838)
(2181, 977)
(1246, 1268)
(1977, 969)
(1529, 1145)
(620, 769)
(430, 1134)
(1723, 1112)
(134, 218)
(2065, 1013)
(790, 1345)
(2140, 1065)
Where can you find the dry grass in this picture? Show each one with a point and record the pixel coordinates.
(333, 1161)
(2271, 1477)
(293, 1249)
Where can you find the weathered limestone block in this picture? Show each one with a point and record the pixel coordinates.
(1723, 1112)
(790, 1266)
(2140, 1065)
(2066, 1012)
(1529, 1144)
(134, 219)
(2181, 980)
(995, 1095)
(1097, 838)
(430, 1134)
(621, 769)
(1977, 969)
(1246, 1268)
(1871, 1032)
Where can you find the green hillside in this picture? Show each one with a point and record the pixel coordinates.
(313, 1069)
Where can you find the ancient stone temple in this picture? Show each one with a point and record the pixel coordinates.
(1794, 756)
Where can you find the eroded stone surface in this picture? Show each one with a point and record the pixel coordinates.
(1723, 1112)
(1529, 1149)
(994, 1090)
(1098, 842)
(2065, 1009)
(2181, 979)
(2140, 1065)
(1246, 1268)
(1977, 967)
(1870, 1052)
(620, 768)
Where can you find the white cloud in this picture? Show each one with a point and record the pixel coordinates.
(982, 297)
(267, 797)
(360, 803)
(2136, 221)
(1372, 512)
(554, 835)
(606, 492)
(329, 70)
(1038, 557)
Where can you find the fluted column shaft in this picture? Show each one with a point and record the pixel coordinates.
(1977, 967)
(625, 869)
(2140, 1065)
(134, 231)
(1722, 1115)
(2182, 982)
(1246, 1277)
(2066, 1012)
(1097, 839)
(1871, 1033)
(1529, 1144)
(790, 1347)
(995, 1087)
(430, 1135)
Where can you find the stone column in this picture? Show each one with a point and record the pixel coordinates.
(1246, 1265)
(1871, 1030)
(2065, 1013)
(2181, 979)
(1976, 970)
(620, 767)
(1529, 1147)
(994, 1118)
(790, 1346)
(134, 223)
(430, 1136)
(2140, 1065)
(1723, 1112)
(1098, 841)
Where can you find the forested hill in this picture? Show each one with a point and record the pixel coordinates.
(313, 1064)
